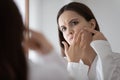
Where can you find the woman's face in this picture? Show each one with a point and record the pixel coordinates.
(70, 23)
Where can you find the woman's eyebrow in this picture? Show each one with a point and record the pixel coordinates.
(74, 19)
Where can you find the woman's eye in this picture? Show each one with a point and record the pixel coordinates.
(74, 23)
(63, 29)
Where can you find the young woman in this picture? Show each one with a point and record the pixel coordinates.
(87, 51)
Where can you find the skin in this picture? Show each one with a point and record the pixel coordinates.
(71, 23)
(73, 27)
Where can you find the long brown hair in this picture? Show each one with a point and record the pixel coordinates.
(13, 64)
(79, 8)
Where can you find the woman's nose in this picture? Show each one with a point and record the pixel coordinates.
(70, 31)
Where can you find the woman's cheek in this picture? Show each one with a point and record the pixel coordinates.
(65, 37)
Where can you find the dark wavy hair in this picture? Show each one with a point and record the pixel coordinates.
(79, 8)
(13, 64)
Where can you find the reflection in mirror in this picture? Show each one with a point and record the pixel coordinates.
(42, 17)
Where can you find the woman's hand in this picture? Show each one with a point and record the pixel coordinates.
(72, 52)
(79, 47)
(97, 35)
(88, 54)
(38, 42)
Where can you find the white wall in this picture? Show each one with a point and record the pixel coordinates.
(21, 6)
(107, 13)
(35, 14)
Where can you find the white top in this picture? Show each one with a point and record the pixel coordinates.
(53, 68)
(106, 65)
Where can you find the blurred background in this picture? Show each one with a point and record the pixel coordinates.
(42, 17)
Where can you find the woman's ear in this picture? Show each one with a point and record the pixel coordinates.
(92, 23)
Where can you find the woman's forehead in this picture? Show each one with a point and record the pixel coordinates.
(67, 16)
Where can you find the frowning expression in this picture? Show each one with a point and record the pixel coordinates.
(70, 23)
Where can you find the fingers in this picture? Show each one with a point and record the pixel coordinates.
(97, 35)
(37, 41)
(34, 44)
(39, 37)
(65, 46)
(91, 30)
(35, 34)
(78, 38)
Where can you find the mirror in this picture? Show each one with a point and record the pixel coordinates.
(42, 17)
